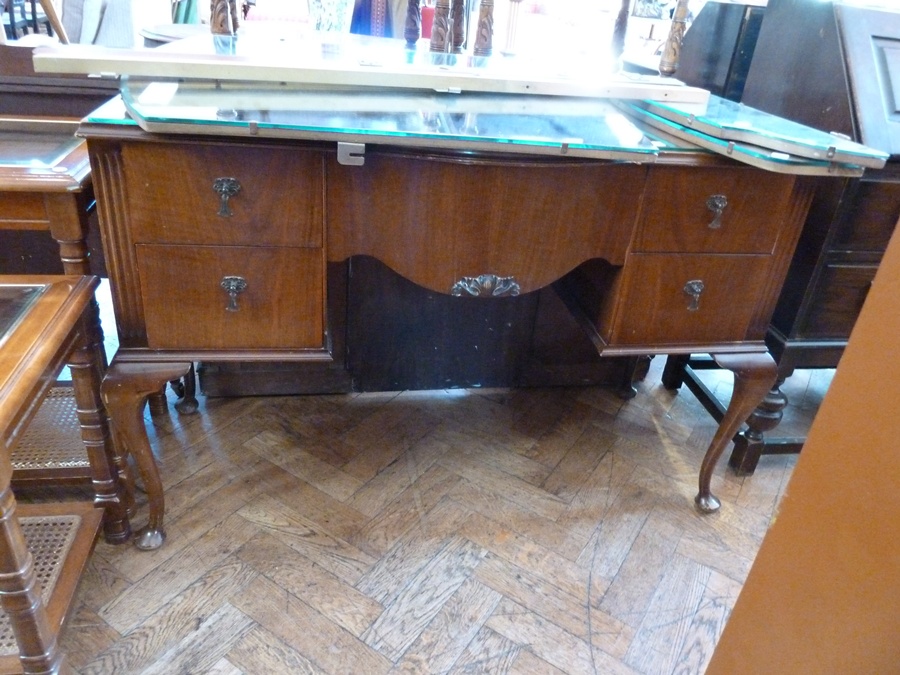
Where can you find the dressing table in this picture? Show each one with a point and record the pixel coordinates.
(222, 199)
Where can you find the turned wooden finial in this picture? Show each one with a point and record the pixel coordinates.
(668, 64)
(485, 33)
(440, 29)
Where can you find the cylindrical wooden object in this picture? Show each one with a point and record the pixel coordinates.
(440, 29)
(459, 17)
(412, 30)
(668, 64)
(484, 36)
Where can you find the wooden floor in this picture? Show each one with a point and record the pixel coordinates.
(479, 531)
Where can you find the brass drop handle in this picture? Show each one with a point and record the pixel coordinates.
(716, 204)
(693, 289)
(226, 188)
(233, 286)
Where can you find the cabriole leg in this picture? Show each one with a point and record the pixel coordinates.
(754, 375)
(125, 389)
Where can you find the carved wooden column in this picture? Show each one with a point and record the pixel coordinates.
(440, 29)
(459, 24)
(484, 35)
(668, 64)
(412, 29)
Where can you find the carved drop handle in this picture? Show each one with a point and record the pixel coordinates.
(693, 289)
(716, 204)
(226, 188)
(233, 286)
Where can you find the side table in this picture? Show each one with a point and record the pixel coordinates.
(46, 324)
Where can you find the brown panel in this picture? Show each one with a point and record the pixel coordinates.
(23, 211)
(838, 299)
(654, 307)
(872, 213)
(435, 220)
(185, 306)
(676, 217)
(178, 204)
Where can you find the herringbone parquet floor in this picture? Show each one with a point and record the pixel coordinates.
(478, 531)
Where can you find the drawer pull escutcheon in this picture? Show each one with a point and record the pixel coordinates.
(226, 188)
(233, 286)
(716, 204)
(694, 288)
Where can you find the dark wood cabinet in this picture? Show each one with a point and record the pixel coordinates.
(829, 65)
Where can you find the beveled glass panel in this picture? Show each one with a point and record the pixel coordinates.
(15, 301)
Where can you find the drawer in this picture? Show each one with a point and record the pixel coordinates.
(836, 301)
(721, 210)
(229, 195)
(657, 309)
(185, 306)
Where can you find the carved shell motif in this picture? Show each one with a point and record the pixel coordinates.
(486, 285)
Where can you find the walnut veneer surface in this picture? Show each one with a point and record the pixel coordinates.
(624, 238)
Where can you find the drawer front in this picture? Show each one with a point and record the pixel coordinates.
(721, 210)
(658, 306)
(836, 301)
(186, 306)
(230, 195)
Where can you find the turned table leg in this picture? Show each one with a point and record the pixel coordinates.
(108, 466)
(20, 591)
(749, 446)
(125, 390)
(754, 375)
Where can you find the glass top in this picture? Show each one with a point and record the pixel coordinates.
(547, 125)
(498, 122)
(730, 121)
(15, 301)
(32, 146)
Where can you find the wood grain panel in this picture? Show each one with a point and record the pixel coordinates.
(676, 218)
(435, 220)
(23, 211)
(282, 307)
(833, 310)
(178, 204)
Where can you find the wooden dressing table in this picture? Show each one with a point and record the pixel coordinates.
(221, 204)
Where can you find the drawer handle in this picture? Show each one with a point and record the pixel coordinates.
(716, 204)
(693, 289)
(226, 188)
(233, 286)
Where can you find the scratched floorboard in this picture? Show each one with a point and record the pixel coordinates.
(478, 531)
